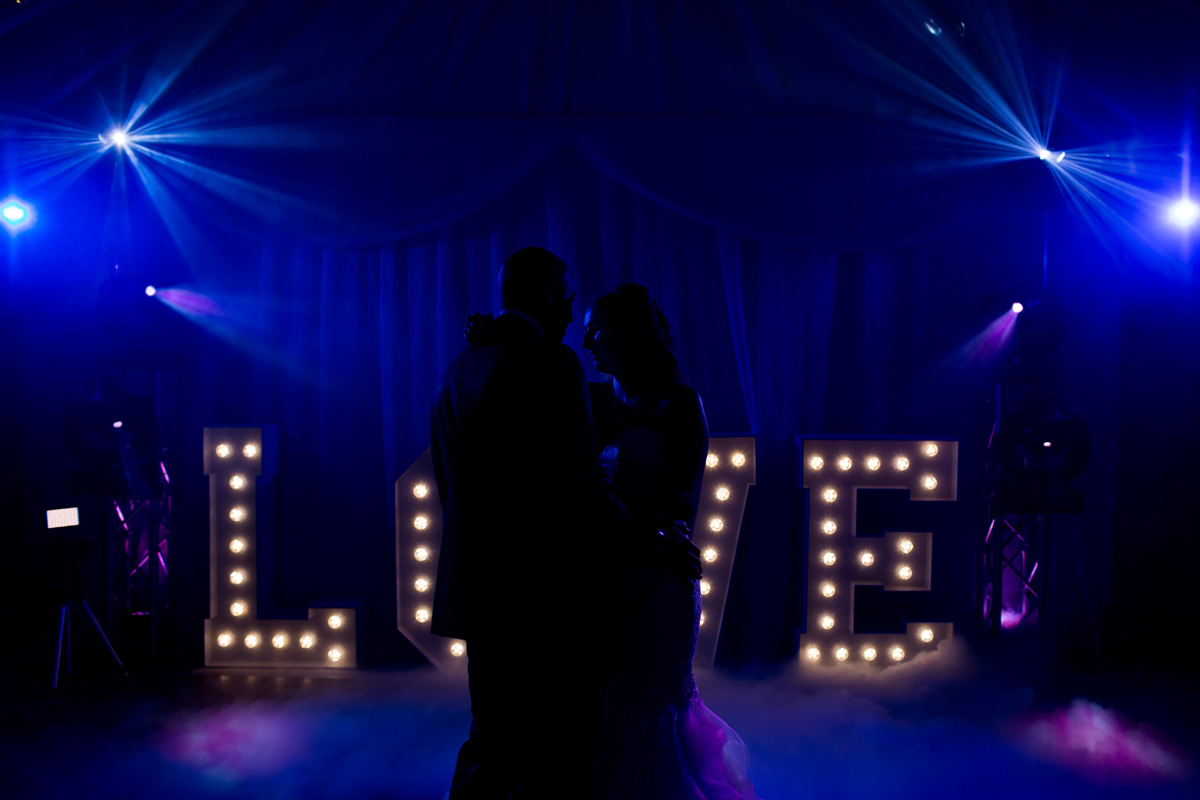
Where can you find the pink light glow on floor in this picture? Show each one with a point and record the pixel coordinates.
(1101, 745)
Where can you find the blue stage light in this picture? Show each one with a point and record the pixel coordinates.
(1061, 156)
(117, 138)
(1043, 154)
(151, 291)
(1185, 212)
(1017, 308)
(16, 215)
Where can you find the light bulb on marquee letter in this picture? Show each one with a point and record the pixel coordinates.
(899, 561)
(234, 634)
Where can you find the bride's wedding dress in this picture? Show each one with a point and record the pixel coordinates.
(658, 740)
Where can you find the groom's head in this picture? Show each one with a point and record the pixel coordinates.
(538, 283)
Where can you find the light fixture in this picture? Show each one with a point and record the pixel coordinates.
(1185, 212)
(905, 573)
(237, 482)
(1017, 308)
(422, 615)
(816, 462)
(869, 653)
(828, 589)
(897, 653)
(826, 622)
(901, 463)
(223, 451)
(873, 463)
(224, 640)
(710, 555)
(867, 559)
(279, 640)
(237, 514)
(844, 463)
(250, 451)
(421, 584)
(705, 587)
(929, 482)
(722, 494)
(238, 576)
(420, 491)
(813, 653)
(906, 546)
(841, 654)
(421, 522)
(828, 558)
(926, 635)
(716, 524)
(829, 495)
(738, 459)
(421, 554)
(238, 608)
(335, 654)
(252, 640)
(237, 545)
(307, 641)
(931, 450)
(151, 291)
(457, 649)
(712, 460)
(13, 213)
(335, 621)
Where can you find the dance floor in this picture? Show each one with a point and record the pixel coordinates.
(954, 724)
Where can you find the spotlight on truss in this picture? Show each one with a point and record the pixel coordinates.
(116, 138)
(1185, 212)
(16, 215)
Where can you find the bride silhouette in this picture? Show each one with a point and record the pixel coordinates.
(657, 738)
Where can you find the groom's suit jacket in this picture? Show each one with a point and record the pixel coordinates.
(511, 438)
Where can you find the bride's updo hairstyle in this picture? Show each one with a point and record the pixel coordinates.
(640, 334)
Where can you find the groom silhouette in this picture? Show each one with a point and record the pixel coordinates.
(529, 528)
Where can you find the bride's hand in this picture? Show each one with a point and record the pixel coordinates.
(478, 328)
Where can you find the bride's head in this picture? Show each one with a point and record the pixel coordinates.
(629, 338)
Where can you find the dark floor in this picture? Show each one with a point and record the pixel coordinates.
(952, 725)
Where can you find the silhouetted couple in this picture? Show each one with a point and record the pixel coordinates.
(567, 566)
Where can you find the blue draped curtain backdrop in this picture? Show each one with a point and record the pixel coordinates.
(346, 345)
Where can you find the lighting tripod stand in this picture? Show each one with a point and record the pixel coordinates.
(64, 555)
